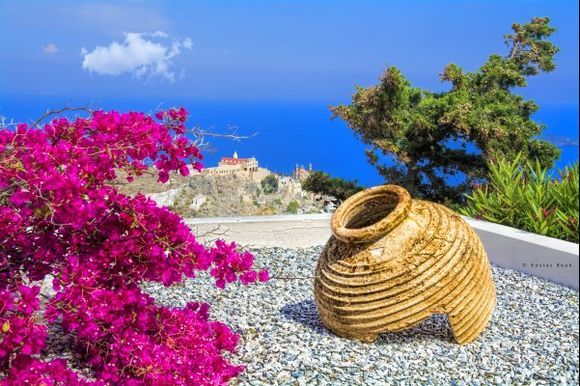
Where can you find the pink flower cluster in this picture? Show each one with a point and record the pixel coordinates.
(59, 217)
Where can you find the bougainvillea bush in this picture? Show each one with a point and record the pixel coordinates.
(61, 221)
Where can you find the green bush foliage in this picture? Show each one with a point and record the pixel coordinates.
(293, 207)
(270, 184)
(322, 183)
(524, 195)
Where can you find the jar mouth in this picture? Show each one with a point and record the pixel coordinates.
(371, 214)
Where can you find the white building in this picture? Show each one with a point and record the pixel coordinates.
(241, 167)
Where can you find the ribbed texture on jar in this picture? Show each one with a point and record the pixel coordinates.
(433, 262)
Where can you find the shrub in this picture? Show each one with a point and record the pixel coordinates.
(527, 197)
(293, 207)
(59, 217)
(322, 183)
(270, 184)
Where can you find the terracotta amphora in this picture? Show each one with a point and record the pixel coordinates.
(394, 261)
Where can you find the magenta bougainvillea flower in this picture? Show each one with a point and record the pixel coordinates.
(59, 216)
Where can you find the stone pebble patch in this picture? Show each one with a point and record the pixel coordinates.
(532, 337)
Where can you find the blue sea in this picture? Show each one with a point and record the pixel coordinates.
(286, 133)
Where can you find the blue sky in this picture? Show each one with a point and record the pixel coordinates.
(254, 50)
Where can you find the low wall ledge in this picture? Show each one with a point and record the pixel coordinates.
(537, 255)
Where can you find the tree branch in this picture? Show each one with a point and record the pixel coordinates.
(54, 112)
(200, 135)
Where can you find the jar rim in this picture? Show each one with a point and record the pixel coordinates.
(359, 202)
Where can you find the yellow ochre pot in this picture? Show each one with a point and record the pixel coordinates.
(394, 261)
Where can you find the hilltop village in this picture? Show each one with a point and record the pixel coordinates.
(236, 186)
(249, 168)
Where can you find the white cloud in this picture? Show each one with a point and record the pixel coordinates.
(160, 34)
(187, 43)
(50, 48)
(138, 55)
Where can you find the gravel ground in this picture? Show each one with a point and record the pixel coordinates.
(531, 339)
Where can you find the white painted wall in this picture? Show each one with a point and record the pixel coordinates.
(537, 255)
(534, 254)
(285, 231)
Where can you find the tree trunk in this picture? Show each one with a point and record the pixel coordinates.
(411, 178)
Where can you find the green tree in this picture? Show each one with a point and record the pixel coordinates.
(322, 183)
(293, 207)
(434, 138)
(270, 184)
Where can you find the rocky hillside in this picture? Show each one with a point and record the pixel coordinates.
(218, 196)
(147, 183)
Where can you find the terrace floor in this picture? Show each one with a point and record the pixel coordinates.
(532, 337)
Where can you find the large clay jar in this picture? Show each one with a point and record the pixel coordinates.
(393, 261)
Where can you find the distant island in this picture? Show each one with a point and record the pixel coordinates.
(561, 140)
